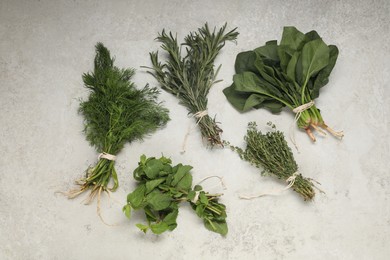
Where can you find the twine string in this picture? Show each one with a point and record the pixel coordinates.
(107, 156)
(298, 112)
(290, 180)
(221, 182)
(198, 115)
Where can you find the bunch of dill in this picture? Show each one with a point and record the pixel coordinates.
(115, 113)
(190, 77)
(271, 152)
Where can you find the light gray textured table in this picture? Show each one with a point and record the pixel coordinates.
(45, 46)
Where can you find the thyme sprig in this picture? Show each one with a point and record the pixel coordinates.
(271, 152)
(191, 77)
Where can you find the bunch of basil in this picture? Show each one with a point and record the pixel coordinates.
(290, 74)
(162, 187)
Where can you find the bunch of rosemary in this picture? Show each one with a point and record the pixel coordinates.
(161, 188)
(191, 76)
(271, 152)
(115, 113)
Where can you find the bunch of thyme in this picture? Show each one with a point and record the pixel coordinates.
(271, 152)
(190, 78)
(115, 113)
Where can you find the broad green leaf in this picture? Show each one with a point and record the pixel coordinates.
(203, 198)
(151, 216)
(265, 73)
(127, 210)
(218, 227)
(254, 100)
(136, 197)
(165, 160)
(166, 170)
(315, 56)
(292, 38)
(150, 185)
(285, 53)
(250, 83)
(268, 53)
(197, 188)
(245, 62)
(200, 210)
(273, 105)
(159, 228)
(181, 171)
(152, 168)
(143, 159)
(292, 66)
(323, 76)
(142, 227)
(237, 99)
(312, 35)
(191, 195)
(158, 201)
(138, 173)
(170, 219)
(185, 183)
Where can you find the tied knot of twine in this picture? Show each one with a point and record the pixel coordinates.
(290, 180)
(107, 156)
(198, 115)
(196, 198)
(298, 112)
(301, 108)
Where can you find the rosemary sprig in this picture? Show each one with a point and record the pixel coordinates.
(271, 152)
(190, 78)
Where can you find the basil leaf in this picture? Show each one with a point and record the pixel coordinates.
(159, 228)
(158, 201)
(185, 183)
(137, 197)
(170, 219)
(127, 210)
(142, 227)
(181, 171)
(218, 227)
(152, 168)
(150, 185)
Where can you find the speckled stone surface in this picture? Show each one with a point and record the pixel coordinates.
(45, 46)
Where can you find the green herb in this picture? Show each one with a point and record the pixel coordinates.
(190, 78)
(289, 74)
(271, 152)
(115, 113)
(161, 187)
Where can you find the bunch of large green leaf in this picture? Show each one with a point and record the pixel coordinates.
(290, 74)
(162, 187)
